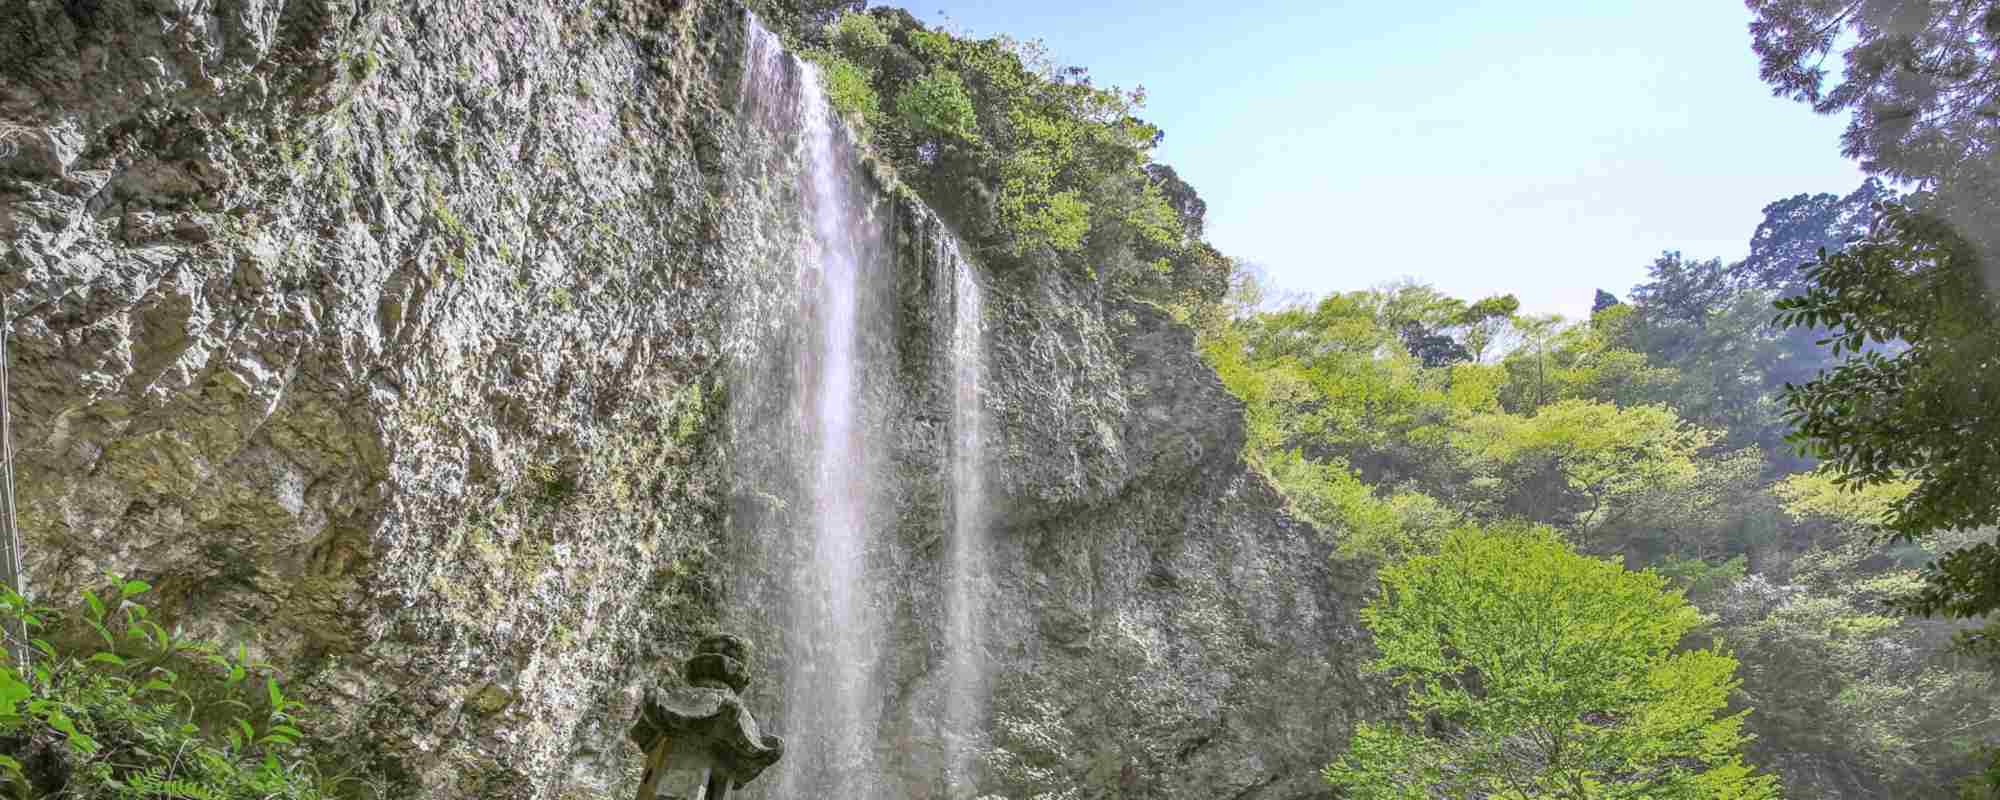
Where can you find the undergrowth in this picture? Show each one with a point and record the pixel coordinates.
(114, 705)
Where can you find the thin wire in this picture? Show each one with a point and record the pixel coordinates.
(11, 570)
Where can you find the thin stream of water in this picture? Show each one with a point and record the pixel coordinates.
(966, 691)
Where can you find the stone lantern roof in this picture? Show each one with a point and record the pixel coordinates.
(704, 726)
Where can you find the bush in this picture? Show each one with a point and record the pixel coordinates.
(937, 105)
(1032, 163)
(848, 88)
(858, 34)
(117, 706)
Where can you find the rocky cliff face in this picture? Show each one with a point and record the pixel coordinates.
(398, 339)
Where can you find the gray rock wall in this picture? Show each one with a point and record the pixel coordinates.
(397, 338)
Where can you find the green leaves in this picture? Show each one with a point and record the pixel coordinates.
(13, 691)
(1592, 461)
(1922, 413)
(1030, 161)
(148, 706)
(1531, 671)
(13, 781)
(849, 89)
(936, 105)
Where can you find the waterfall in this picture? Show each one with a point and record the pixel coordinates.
(811, 394)
(966, 691)
(832, 634)
(837, 687)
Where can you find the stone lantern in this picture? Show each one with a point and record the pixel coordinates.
(700, 742)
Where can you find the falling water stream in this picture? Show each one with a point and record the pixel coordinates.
(965, 690)
(834, 633)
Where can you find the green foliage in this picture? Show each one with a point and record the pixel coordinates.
(1485, 322)
(860, 35)
(1922, 414)
(117, 706)
(1584, 464)
(1032, 163)
(1922, 78)
(1557, 360)
(1796, 228)
(1822, 494)
(937, 106)
(1856, 701)
(847, 67)
(848, 88)
(1373, 527)
(1576, 429)
(1713, 329)
(1701, 579)
(1339, 402)
(802, 23)
(1531, 671)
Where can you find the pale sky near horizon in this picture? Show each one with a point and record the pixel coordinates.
(1545, 149)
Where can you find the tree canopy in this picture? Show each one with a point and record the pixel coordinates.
(1922, 81)
(1531, 671)
(1928, 412)
(1921, 78)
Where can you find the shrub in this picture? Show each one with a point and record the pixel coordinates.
(859, 35)
(937, 105)
(849, 88)
(117, 706)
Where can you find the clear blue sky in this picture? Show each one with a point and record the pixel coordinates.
(1484, 146)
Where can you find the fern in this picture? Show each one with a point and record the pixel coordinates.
(138, 714)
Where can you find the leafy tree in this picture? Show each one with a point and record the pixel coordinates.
(1729, 365)
(1926, 413)
(1797, 228)
(1577, 428)
(803, 22)
(1710, 323)
(1531, 365)
(848, 89)
(1534, 672)
(1483, 324)
(1032, 163)
(1182, 198)
(1558, 360)
(1853, 701)
(1604, 300)
(936, 105)
(1682, 290)
(1430, 348)
(1584, 464)
(1922, 79)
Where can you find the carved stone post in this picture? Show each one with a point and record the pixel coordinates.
(699, 740)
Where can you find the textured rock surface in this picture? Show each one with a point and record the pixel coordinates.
(1156, 626)
(398, 337)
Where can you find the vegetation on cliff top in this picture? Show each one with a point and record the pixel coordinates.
(1032, 163)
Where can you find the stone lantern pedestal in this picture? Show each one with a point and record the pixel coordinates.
(700, 742)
